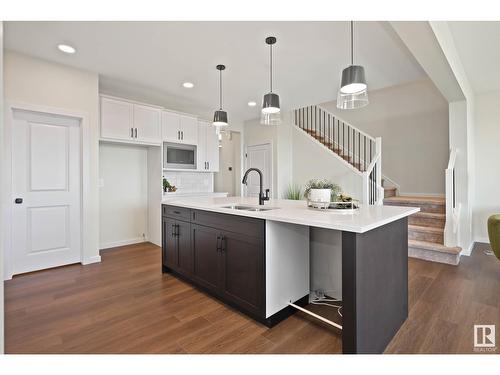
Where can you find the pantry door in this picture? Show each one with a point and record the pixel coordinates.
(260, 157)
(46, 190)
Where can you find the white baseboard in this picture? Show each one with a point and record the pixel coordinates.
(94, 259)
(434, 195)
(131, 241)
(482, 239)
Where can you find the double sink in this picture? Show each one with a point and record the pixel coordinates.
(248, 208)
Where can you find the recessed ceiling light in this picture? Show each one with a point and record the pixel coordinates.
(188, 85)
(66, 48)
(252, 104)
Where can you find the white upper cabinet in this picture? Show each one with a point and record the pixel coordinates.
(122, 120)
(147, 122)
(179, 128)
(208, 148)
(189, 129)
(170, 125)
(116, 119)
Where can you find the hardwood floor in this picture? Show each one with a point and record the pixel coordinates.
(125, 305)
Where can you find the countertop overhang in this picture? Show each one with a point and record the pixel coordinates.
(362, 220)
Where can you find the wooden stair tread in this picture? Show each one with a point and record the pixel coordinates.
(421, 228)
(430, 215)
(434, 247)
(416, 200)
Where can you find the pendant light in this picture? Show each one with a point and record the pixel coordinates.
(220, 116)
(271, 102)
(353, 89)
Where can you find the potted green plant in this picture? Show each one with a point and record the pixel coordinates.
(320, 193)
(293, 192)
(167, 186)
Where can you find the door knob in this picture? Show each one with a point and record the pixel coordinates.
(18, 200)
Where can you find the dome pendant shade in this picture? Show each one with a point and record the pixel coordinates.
(271, 103)
(353, 79)
(220, 118)
(353, 92)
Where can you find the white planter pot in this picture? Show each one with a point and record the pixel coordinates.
(320, 195)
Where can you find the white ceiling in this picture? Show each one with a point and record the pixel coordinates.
(478, 44)
(150, 60)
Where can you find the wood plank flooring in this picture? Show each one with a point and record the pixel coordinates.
(125, 305)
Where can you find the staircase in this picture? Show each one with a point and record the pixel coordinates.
(361, 152)
(426, 229)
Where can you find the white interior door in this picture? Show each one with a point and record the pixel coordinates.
(259, 156)
(46, 187)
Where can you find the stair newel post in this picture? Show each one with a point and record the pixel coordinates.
(366, 188)
(378, 152)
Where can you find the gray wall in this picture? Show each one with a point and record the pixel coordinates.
(412, 120)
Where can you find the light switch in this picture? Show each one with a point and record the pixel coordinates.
(101, 182)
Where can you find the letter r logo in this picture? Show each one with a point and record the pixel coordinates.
(484, 336)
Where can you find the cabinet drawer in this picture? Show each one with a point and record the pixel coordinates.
(237, 224)
(176, 212)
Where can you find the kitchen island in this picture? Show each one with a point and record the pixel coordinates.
(257, 259)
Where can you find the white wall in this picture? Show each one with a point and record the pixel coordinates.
(123, 206)
(313, 161)
(34, 81)
(1, 200)
(412, 120)
(229, 157)
(487, 182)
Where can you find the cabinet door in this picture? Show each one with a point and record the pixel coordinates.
(189, 130)
(205, 241)
(147, 122)
(170, 123)
(212, 149)
(116, 119)
(169, 243)
(243, 271)
(185, 250)
(201, 149)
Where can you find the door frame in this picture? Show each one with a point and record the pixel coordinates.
(271, 185)
(85, 195)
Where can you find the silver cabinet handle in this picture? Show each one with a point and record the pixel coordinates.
(136, 133)
(178, 134)
(131, 132)
(182, 135)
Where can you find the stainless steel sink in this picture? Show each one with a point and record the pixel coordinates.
(248, 208)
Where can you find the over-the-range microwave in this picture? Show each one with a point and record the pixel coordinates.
(179, 156)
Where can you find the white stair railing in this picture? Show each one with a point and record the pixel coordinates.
(350, 144)
(452, 208)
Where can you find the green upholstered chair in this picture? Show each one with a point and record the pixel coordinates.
(494, 234)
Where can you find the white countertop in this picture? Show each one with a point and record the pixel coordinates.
(297, 212)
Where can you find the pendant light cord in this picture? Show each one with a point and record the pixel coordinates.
(352, 42)
(271, 68)
(220, 89)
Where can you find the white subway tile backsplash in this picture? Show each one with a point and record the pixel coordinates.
(190, 182)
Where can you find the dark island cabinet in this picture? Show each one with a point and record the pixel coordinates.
(223, 254)
(206, 254)
(243, 276)
(176, 245)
